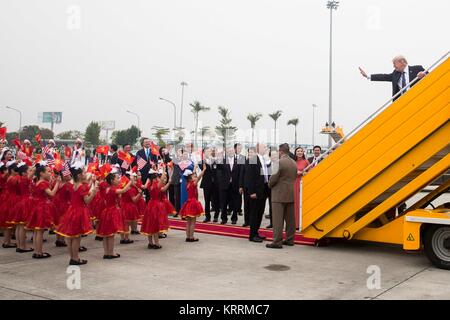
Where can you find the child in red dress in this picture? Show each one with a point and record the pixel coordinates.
(77, 219)
(111, 219)
(192, 208)
(130, 208)
(8, 199)
(23, 206)
(155, 216)
(42, 213)
(98, 203)
(62, 203)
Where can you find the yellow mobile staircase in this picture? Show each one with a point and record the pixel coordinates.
(359, 190)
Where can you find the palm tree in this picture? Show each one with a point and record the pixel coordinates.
(225, 129)
(275, 116)
(294, 122)
(159, 133)
(253, 118)
(203, 132)
(196, 109)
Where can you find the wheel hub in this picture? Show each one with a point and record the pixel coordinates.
(447, 243)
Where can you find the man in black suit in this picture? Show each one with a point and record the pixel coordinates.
(317, 151)
(240, 159)
(228, 172)
(256, 180)
(146, 154)
(175, 179)
(114, 159)
(401, 77)
(208, 185)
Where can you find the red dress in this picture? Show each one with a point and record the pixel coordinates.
(130, 209)
(42, 212)
(192, 208)
(19, 213)
(153, 221)
(301, 165)
(98, 203)
(142, 205)
(111, 218)
(62, 201)
(77, 219)
(8, 200)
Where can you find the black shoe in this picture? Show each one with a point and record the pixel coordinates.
(285, 243)
(77, 263)
(51, 232)
(262, 237)
(97, 238)
(111, 257)
(9, 246)
(273, 246)
(45, 255)
(256, 239)
(223, 222)
(82, 249)
(192, 240)
(245, 225)
(162, 236)
(269, 226)
(84, 236)
(135, 232)
(233, 222)
(215, 220)
(241, 214)
(206, 220)
(60, 244)
(126, 241)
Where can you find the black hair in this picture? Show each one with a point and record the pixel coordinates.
(114, 147)
(110, 178)
(284, 147)
(295, 153)
(21, 170)
(3, 169)
(189, 177)
(12, 168)
(236, 145)
(127, 144)
(75, 173)
(315, 147)
(39, 170)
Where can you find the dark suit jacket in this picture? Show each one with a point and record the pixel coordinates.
(224, 174)
(146, 169)
(209, 177)
(176, 175)
(253, 179)
(114, 158)
(394, 77)
(311, 160)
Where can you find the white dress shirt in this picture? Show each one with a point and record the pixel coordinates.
(264, 168)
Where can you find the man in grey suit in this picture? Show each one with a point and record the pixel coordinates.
(282, 185)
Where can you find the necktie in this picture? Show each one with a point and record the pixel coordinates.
(403, 82)
(146, 153)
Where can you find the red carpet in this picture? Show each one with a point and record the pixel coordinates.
(233, 231)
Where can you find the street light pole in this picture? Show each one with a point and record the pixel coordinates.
(331, 5)
(174, 112)
(20, 118)
(314, 124)
(138, 119)
(183, 84)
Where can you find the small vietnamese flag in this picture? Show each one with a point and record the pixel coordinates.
(92, 167)
(56, 155)
(3, 133)
(124, 181)
(17, 143)
(155, 149)
(38, 138)
(58, 164)
(38, 158)
(105, 169)
(102, 150)
(67, 152)
(125, 157)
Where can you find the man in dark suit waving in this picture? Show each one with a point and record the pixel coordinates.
(146, 154)
(401, 77)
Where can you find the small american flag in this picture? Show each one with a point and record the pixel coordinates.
(21, 155)
(125, 165)
(66, 169)
(46, 150)
(141, 163)
(49, 158)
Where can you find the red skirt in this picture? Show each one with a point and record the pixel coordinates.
(9, 201)
(152, 223)
(142, 205)
(192, 208)
(21, 212)
(130, 211)
(75, 222)
(97, 206)
(61, 209)
(169, 207)
(41, 215)
(110, 222)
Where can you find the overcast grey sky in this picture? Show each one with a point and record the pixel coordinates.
(247, 55)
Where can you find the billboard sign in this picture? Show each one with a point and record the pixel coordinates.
(50, 117)
(107, 125)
